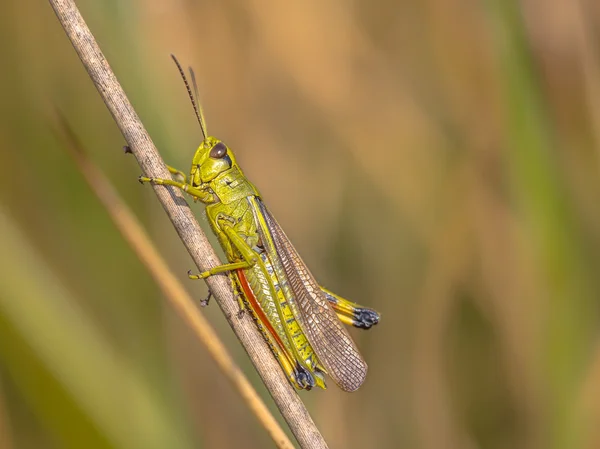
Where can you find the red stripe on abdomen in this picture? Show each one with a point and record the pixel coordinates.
(260, 314)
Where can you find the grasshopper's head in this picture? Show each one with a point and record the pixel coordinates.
(212, 158)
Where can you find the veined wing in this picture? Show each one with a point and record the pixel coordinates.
(325, 332)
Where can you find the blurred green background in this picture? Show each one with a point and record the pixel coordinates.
(438, 160)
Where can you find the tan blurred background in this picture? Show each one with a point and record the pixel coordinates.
(438, 160)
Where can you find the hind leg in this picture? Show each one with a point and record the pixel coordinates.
(351, 313)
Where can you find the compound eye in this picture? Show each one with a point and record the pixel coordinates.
(219, 151)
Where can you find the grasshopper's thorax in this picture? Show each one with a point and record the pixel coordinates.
(214, 167)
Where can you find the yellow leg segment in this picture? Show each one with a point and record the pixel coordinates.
(351, 313)
(220, 269)
(178, 173)
(202, 195)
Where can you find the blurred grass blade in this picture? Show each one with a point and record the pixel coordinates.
(539, 190)
(175, 293)
(6, 439)
(74, 380)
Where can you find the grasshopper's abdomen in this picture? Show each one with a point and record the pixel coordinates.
(276, 321)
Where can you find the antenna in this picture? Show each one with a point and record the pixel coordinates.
(197, 108)
(202, 120)
(193, 77)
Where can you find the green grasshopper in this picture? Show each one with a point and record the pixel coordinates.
(300, 320)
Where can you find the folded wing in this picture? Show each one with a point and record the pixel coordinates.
(325, 332)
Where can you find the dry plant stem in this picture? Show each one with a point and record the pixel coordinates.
(187, 227)
(173, 290)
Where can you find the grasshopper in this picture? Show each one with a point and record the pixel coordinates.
(301, 321)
